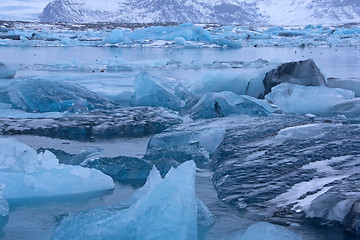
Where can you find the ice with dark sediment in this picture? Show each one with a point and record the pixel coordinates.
(294, 166)
(97, 124)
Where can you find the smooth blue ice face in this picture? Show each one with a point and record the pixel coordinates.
(163, 209)
(39, 95)
(227, 103)
(267, 231)
(151, 91)
(321, 100)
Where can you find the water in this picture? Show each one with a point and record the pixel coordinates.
(34, 220)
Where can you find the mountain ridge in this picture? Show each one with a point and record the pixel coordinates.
(243, 12)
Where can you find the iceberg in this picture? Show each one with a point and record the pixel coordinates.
(8, 71)
(304, 73)
(150, 91)
(349, 84)
(162, 209)
(189, 141)
(248, 82)
(268, 231)
(39, 95)
(27, 174)
(292, 98)
(226, 103)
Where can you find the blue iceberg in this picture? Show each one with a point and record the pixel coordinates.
(227, 103)
(162, 209)
(26, 174)
(39, 95)
(150, 91)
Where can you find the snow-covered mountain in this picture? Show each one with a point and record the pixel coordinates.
(277, 12)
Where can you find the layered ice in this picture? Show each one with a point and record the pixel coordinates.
(227, 103)
(151, 91)
(28, 174)
(304, 73)
(264, 230)
(98, 124)
(292, 98)
(8, 71)
(39, 95)
(162, 209)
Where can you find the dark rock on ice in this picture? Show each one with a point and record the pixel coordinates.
(100, 124)
(302, 73)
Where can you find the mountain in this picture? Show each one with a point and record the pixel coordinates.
(246, 12)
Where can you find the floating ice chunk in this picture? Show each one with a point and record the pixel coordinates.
(264, 230)
(39, 95)
(186, 142)
(302, 73)
(149, 91)
(349, 84)
(180, 41)
(8, 71)
(321, 100)
(163, 209)
(249, 82)
(116, 36)
(226, 103)
(27, 174)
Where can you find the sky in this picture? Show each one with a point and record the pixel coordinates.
(27, 10)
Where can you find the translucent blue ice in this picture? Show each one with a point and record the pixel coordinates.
(39, 95)
(163, 209)
(227, 103)
(8, 71)
(267, 231)
(292, 98)
(25, 174)
(151, 91)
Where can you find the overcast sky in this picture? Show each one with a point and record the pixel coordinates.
(21, 9)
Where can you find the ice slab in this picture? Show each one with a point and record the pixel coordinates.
(349, 84)
(304, 73)
(151, 91)
(162, 209)
(189, 141)
(28, 174)
(247, 82)
(101, 124)
(39, 95)
(264, 230)
(292, 98)
(8, 71)
(223, 104)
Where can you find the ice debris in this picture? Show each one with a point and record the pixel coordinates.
(227, 103)
(8, 71)
(39, 95)
(264, 230)
(163, 209)
(304, 73)
(28, 174)
(321, 100)
(150, 91)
